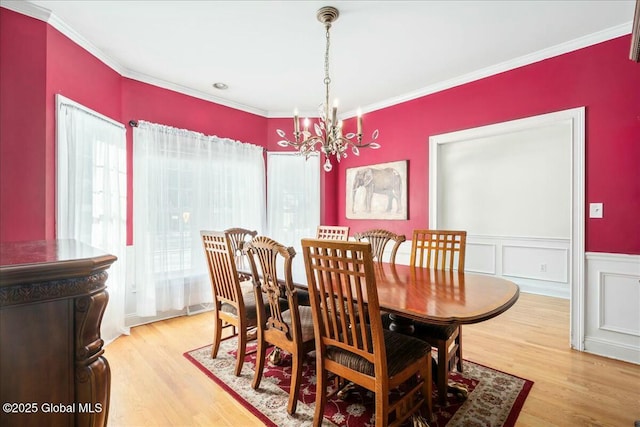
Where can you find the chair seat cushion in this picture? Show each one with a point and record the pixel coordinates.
(441, 332)
(401, 351)
(246, 286)
(306, 321)
(303, 297)
(249, 306)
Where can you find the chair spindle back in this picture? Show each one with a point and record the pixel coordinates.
(438, 249)
(332, 232)
(343, 271)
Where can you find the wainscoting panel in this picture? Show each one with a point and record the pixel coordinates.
(534, 262)
(481, 258)
(615, 315)
(612, 306)
(537, 265)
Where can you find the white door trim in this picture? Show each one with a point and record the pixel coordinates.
(577, 258)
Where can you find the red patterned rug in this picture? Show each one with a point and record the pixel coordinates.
(495, 398)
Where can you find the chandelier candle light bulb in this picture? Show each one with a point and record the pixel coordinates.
(328, 129)
(296, 125)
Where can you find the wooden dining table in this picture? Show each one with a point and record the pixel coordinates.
(440, 296)
(428, 295)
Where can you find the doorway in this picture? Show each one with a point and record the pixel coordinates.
(467, 182)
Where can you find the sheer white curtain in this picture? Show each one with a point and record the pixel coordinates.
(184, 182)
(92, 194)
(293, 197)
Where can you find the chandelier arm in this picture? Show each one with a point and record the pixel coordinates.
(346, 142)
(309, 142)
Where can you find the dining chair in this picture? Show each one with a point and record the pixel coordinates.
(288, 327)
(440, 250)
(332, 232)
(237, 309)
(379, 239)
(238, 237)
(349, 347)
(328, 232)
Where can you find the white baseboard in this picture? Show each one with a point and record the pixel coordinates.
(612, 350)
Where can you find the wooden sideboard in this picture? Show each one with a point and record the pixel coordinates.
(52, 369)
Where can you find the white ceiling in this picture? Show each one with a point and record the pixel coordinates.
(271, 53)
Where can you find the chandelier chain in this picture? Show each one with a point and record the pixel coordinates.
(327, 79)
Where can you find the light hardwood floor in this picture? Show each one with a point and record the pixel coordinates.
(154, 385)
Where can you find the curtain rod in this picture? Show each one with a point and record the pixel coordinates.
(134, 124)
(63, 101)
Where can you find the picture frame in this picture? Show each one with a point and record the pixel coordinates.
(634, 51)
(377, 191)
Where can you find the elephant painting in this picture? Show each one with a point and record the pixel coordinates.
(387, 181)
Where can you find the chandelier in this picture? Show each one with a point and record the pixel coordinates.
(328, 137)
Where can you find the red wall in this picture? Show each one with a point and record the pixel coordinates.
(36, 62)
(600, 77)
(22, 127)
(80, 76)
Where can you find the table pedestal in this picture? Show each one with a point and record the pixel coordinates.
(401, 324)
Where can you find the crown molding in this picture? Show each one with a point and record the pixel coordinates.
(557, 50)
(28, 9)
(192, 92)
(47, 16)
(42, 14)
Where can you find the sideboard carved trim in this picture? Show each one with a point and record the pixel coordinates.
(55, 289)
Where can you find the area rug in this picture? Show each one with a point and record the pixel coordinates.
(495, 398)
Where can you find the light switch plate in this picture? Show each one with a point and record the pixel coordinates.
(595, 210)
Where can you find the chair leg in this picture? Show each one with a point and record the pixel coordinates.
(425, 373)
(459, 350)
(242, 348)
(260, 356)
(382, 408)
(296, 378)
(217, 337)
(443, 373)
(321, 393)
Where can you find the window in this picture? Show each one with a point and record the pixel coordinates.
(92, 194)
(185, 182)
(293, 197)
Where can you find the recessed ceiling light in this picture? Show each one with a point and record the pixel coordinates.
(220, 86)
